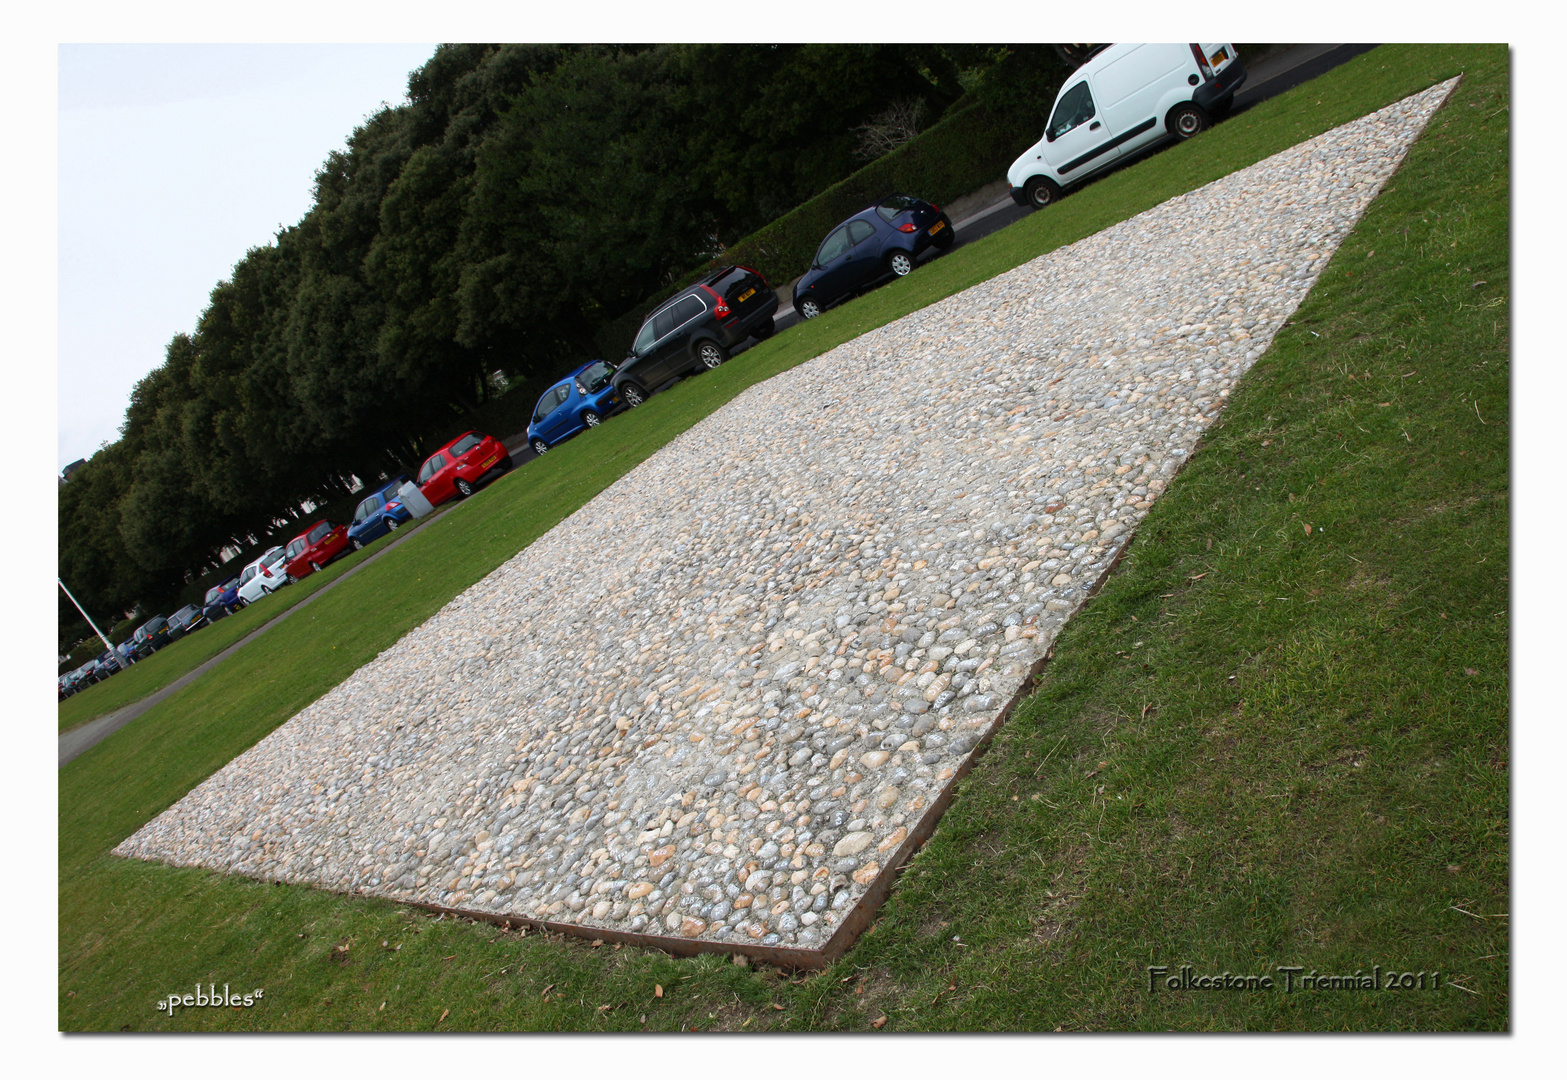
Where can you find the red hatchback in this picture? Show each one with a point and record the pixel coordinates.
(312, 550)
(459, 467)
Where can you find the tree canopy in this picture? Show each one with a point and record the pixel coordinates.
(522, 197)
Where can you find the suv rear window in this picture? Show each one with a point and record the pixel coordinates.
(466, 443)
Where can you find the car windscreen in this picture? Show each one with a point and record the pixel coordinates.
(597, 377)
(466, 443)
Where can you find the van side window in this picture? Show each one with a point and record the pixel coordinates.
(1075, 107)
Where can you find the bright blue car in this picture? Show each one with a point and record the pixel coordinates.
(583, 399)
(378, 515)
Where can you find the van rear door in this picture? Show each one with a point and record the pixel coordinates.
(1079, 140)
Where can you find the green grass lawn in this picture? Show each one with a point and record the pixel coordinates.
(1259, 746)
(192, 650)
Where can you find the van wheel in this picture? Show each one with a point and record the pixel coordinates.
(633, 394)
(1041, 191)
(1186, 120)
(710, 354)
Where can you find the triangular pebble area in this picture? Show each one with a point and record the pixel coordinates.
(717, 706)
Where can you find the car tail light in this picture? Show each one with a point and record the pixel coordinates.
(936, 208)
(722, 308)
(908, 226)
(1202, 63)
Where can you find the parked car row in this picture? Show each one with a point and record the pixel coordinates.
(457, 469)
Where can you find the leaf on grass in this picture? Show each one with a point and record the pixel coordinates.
(658, 991)
(879, 1022)
(1307, 526)
(777, 1006)
(444, 1014)
(1199, 577)
(596, 943)
(547, 990)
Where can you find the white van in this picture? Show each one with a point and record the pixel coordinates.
(1126, 98)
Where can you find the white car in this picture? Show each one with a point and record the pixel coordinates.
(264, 576)
(1125, 99)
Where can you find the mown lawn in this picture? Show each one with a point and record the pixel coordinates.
(181, 657)
(1261, 745)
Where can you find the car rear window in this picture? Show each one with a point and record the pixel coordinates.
(318, 532)
(894, 205)
(597, 377)
(466, 443)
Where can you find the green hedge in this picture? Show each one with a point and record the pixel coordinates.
(967, 149)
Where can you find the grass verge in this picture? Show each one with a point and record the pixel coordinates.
(179, 658)
(1258, 747)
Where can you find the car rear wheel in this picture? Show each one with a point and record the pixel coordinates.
(900, 263)
(710, 354)
(392, 523)
(633, 394)
(765, 331)
(540, 446)
(1186, 120)
(591, 418)
(943, 240)
(464, 488)
(809, 309)
(1041, 191)
(357, 545)
(315, 566)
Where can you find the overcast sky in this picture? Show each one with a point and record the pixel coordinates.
(174, 161)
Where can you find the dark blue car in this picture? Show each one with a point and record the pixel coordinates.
(879, 242)
(583, 399)
(378, 515)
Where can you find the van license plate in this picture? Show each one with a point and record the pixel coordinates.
(936, 228)
(743, 297)
(1219, 57)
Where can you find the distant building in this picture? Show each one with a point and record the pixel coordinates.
(65, 473)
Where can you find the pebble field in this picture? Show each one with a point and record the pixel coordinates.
(715, 703)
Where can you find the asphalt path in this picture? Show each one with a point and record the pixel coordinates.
(1269, 78)
(83, 737)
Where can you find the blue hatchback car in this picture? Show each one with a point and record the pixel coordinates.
(584, 399)
(378, 515)
(880, 241)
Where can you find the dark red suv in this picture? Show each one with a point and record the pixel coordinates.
(461, 466)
